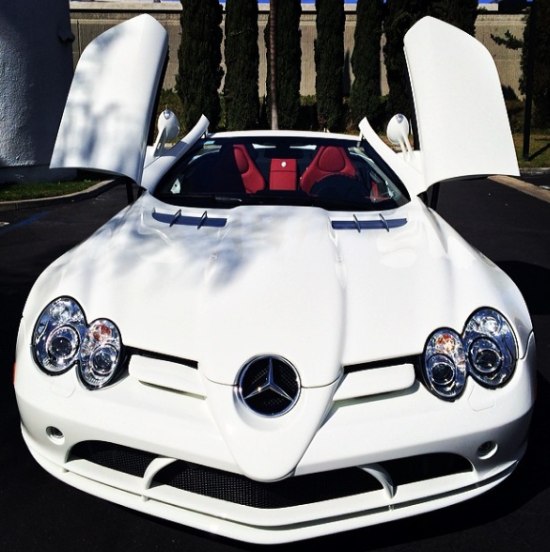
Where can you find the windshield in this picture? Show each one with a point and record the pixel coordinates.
(330, 173)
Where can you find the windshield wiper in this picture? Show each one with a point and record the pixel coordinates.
(337, 203)
(226, 199)
(201, 199)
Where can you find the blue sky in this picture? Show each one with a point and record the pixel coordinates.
(355, 1)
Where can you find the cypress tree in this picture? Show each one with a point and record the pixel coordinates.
(400, 17)
(288, 58)
(329, 62)
(200, 71)
(242, 60)
(460, 13)
(541, 61)
(535, 65)
(271, 50)
(365, 97)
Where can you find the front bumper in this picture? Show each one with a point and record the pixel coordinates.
(449, 452)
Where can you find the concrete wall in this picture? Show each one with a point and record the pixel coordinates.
(506, 60)
(35, 75)
(90, 18)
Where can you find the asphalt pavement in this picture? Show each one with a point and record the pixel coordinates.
(38, 513)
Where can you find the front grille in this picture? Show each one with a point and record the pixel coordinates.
(293, 491)
(305, 489)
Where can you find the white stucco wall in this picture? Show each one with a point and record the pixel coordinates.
(35, 75)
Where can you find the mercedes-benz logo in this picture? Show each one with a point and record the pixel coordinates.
(269, 385)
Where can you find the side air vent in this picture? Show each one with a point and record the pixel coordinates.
(115, 457)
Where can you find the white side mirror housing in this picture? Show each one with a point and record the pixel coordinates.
(397, 131)
(168, 128)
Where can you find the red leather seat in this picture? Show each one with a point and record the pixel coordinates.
(328, 161)
(253, 180)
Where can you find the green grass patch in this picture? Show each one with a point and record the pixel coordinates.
(20, 191)
(539, 150)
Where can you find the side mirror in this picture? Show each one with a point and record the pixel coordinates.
(168, 128)
(398, 132)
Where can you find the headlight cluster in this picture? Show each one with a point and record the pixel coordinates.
(486, 350)
(62, 339)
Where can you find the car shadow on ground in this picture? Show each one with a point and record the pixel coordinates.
(533, 282)
(12, 302)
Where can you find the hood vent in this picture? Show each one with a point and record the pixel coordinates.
(356, 224)
(198, 222)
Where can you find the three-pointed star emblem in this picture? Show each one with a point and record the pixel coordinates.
(269, 385)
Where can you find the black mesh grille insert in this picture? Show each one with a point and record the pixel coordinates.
(116, 457)
(426, 466)
(294, 491)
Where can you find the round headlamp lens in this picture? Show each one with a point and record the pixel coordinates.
(62, 346)
(491, 346)
(442, 370)
(57, 334)
(445, 364)
(485, 355)
(100, 354)
(104, 360)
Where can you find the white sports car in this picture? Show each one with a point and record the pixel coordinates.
(279, 339)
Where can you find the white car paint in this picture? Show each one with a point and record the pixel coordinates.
(463, 126)
(350, 309)
(106, 119)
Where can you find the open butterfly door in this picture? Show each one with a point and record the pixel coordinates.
(111, 100)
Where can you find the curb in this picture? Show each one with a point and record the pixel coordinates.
(542, 171)
(88, 193)
(539, 192)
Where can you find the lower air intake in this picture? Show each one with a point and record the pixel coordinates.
(294, 491)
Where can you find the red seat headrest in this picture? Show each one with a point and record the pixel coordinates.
(241, 158)
(331, 160)
(251, 176)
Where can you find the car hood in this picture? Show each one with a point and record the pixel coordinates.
(280, 281)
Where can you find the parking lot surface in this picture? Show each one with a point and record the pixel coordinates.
(509, 226)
